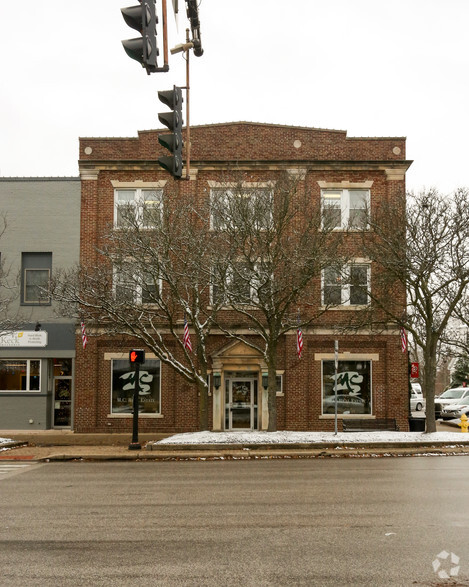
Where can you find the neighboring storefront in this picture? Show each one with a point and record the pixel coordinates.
(36, 377)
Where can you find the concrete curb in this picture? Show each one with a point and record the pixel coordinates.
(245, 453)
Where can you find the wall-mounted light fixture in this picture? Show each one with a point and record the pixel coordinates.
(216, 380)
(265, 380)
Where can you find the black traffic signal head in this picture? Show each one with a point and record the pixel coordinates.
(137, 356)
(173, 141)
(144, 19)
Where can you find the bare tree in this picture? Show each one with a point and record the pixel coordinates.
(277, 244)
(153, 271)
(9, 290)
(421, 246)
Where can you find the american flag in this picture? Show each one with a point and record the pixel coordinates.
(299, 342)
(84, 338)
(403, 340)
(187, 338)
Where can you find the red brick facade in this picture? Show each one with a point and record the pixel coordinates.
(321, 158)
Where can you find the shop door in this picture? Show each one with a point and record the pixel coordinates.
(62, 402)
(241, 404)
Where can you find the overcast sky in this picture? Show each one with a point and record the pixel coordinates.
(370, 67)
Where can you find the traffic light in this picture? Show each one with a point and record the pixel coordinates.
(173, 141)
(137, 357)
(144, 19)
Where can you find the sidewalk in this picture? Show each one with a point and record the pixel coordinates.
(58, 445)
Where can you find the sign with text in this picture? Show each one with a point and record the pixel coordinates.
(23, 338)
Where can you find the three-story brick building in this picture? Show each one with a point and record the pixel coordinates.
(341, 174)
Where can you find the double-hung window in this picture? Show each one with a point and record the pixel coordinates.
(346, 286)
(139, 206)
(236, 207)
(344, 208)
(236, 284)
(35, 278)
(134, 287)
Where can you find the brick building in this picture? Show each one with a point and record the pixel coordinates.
(339, 173)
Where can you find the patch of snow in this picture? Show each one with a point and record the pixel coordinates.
(5, 440)
(286, 437)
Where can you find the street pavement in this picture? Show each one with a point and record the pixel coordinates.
(65, 445)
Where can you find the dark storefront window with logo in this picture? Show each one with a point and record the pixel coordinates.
(123, 385)
(353, 387)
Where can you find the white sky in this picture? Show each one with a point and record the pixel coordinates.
(370, 67)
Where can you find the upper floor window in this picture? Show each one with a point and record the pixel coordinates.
(36, 271)
(238, 207)
(346, 286)
(137, 288)
(345, 208)
(238, 284)
(142, 206)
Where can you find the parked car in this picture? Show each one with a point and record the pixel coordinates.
(455, 411)
(346, 404)
(417, 401)
(454, 396)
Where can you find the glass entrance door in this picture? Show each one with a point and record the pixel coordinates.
(62, 402)
(241, 404)
(62, 393)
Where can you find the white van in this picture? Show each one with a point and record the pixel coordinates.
(417, 401)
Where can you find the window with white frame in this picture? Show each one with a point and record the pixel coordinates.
(237, 284)
(234, 207)
(347, 286)
(35, 278)
(142, 206)
(134, 287)
(20, 375)
(344, 208)
(353, 387)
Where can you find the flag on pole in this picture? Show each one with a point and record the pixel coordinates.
(187, 338)
(299, 337)
(84, 338)
(403, 340)
(299, 342)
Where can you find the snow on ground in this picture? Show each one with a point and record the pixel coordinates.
(285, 437)
(5, 440)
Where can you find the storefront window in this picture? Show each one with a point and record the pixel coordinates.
(123, 385)
(353, 387)
(20, 375)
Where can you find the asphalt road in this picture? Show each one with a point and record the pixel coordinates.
(273, 522)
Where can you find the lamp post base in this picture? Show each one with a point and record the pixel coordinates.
(135, 446)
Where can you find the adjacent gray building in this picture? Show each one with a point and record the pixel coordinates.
(37, 352)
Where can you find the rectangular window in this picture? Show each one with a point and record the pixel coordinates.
(353, 387)
(346, 286)
(123, 386)
(20, 375)
(134, 288)
(36, 271)
(345, 208)
(140, 206)
(235, 208)
(237, 284)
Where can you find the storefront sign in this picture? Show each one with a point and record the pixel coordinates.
(24, 338)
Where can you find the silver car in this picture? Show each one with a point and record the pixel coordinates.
(451, 397)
